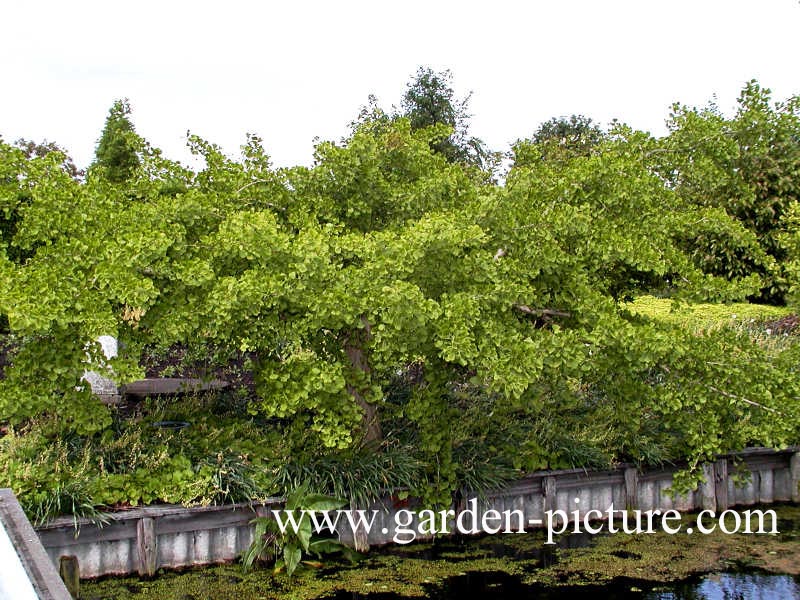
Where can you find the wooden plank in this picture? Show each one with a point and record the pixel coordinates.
(180, 523)
(70, 572)
(755, 485)
(766, 487)
(721, 483)
(794, 476)
(517, 488)
(762, 451)
(66, 536)
(631, 488)
(708, 488)
(361, 540)
(40, 569)
(767, 462)
(567, 480)
(549, 490)
(155, 511)
(658, 475)
(570, 482)
(169, 386)
(147, 546)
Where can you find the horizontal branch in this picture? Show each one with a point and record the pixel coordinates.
(745, 400)
(256, 182)
(247, 185)
(734, 396)
(541, 312)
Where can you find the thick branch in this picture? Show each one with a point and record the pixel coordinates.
(541, 312)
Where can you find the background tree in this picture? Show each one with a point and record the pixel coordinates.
(33, 149)
(430, 100)
(747, 165)
(559, 139)
(119, 147)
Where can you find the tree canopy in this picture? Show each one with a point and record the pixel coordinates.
(386, 257)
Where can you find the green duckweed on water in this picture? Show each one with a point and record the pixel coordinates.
(416, 569)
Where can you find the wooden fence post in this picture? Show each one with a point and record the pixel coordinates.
(794, 476)
(721, 483)
(549, 489)
(146, 543)
(708, 488)
(360, 540)
(70, 572)
(631, 489)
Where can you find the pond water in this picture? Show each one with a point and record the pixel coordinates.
(501, 586)
(511, 567)
(731, 586)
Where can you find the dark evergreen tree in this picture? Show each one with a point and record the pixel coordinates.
(117, 149)
(577, 133)
(430, 100)
(559, 139)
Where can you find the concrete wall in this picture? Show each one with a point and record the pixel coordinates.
(146, 539)
(773, 477)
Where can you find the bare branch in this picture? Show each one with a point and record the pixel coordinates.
(541, 312)
(257, 181)
(745, 400)
(252, 183)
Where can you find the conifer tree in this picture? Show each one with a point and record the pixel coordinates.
(117, 148)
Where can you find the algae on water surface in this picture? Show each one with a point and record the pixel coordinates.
(502, 566)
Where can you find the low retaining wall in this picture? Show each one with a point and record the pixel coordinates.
(754, 476)
(144, 540)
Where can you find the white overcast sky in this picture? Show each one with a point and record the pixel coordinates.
(292, 71)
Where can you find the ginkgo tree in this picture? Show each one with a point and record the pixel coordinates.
(380, 256)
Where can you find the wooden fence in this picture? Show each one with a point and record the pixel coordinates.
(146, 539)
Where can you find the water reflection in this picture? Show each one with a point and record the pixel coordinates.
(502, 586)
(734, 586)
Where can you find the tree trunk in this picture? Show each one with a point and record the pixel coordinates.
(354, 348)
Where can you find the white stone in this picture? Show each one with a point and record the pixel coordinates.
(103, 386)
